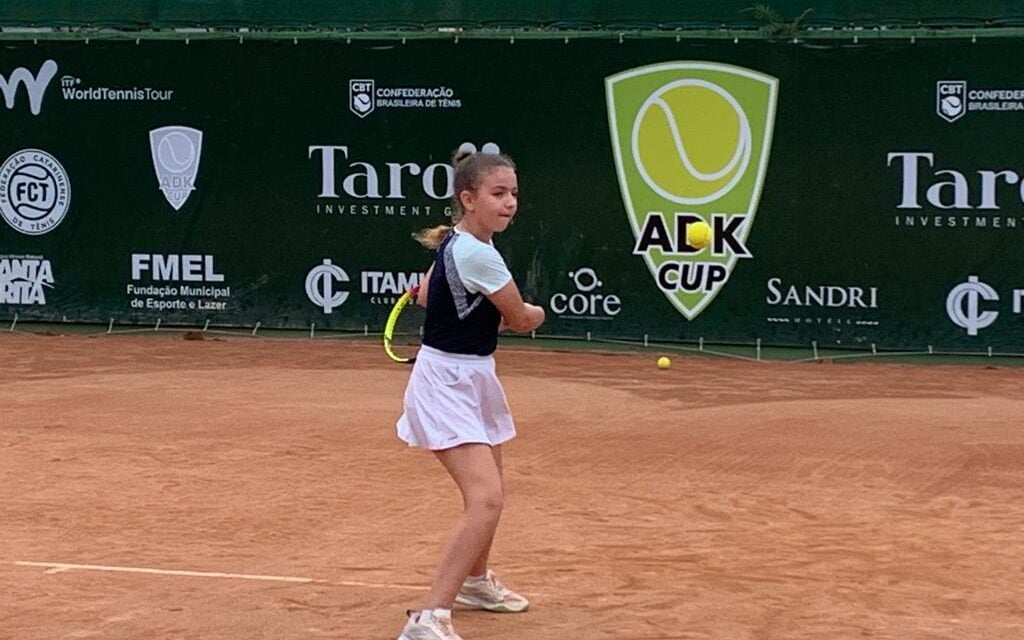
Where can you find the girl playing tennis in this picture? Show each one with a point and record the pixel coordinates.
(454, 404)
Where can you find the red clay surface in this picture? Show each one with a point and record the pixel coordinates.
(717, 499)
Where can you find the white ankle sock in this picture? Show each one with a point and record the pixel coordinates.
(439, 614)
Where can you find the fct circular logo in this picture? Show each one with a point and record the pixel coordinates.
(34, 191)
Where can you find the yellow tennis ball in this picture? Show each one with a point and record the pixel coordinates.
(664, 363)
(698, 234)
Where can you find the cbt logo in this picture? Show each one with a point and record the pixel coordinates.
(35, 85)
(586, 303)
(951, 99)
(364, 96)
(320, 283)
(360, 97)
(691, 143)
(964, 305)
(34, 191)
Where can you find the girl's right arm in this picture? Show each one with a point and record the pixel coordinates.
(421, 295)
(516, 314)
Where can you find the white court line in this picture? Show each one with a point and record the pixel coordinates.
(59, 567)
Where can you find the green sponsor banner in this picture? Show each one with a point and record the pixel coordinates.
(858, 196)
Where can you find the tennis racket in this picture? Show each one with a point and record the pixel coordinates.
(404, 328)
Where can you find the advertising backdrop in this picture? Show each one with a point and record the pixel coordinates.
(859, 194)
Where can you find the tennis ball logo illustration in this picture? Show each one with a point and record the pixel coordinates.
(951, 105)
(176, 152)
(691, 141)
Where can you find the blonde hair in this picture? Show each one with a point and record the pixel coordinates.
(470, 168)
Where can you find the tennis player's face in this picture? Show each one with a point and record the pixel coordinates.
(496, 200)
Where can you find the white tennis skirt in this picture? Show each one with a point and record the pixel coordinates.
(454, 399)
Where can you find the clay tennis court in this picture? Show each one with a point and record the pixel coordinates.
(155, 487)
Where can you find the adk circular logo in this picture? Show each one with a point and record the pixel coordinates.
(34, 191)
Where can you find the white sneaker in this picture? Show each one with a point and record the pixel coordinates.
(488, 593)
(429, 625)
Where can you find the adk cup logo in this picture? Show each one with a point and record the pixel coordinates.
(691, 143)
(176, 151)
(34, 192)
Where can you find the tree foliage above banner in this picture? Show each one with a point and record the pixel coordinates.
(778, 15)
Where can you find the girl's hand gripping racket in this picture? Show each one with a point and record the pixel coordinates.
(404, 328)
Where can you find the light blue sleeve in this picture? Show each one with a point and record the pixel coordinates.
(481, 268)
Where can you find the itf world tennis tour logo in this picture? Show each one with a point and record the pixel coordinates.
(34, 192)
(691, 143)
(176, 151)
(35, 85)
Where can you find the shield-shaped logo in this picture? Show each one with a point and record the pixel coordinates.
(360, 97)
(691, 142)
(176, 151)
(951, 99)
